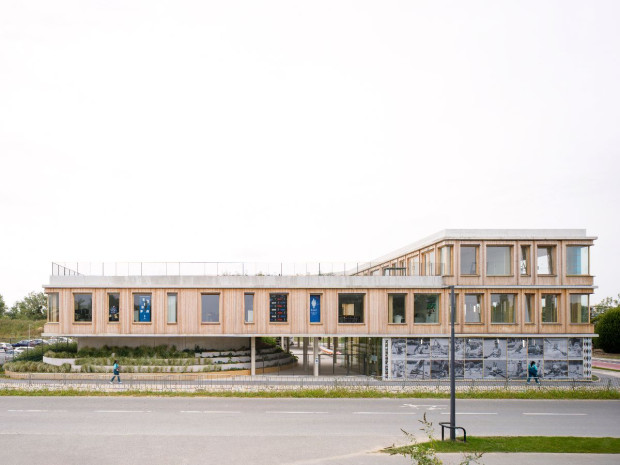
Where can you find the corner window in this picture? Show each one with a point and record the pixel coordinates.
(545, 260)
(315, 308)
(142, 308)
(210, 308)
(502, 308)
(473, 308)
(579, 308)
(350, 308)
(429, 263)
(396, 308)
(446, 260)
(113, 307)
(549, 308)
(426, 308)
(469, 260)
(172, 301)
(529, 308)
(577, 260)
(524, 262)
(52, 307)
(278, 308)
(248, 307)
(83, 307)
(498, 260)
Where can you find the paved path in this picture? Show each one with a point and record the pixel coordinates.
(163, 431)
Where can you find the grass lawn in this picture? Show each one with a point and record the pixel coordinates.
(555, 444)
(18, 329)
(601, 368)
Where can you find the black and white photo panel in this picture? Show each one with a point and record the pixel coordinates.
(495, 349)
(473, 369)
(418, 369)
(555, 348)
(459, 348)
(495, 369)
(459, 369)
(440, 369)
(575, 369)
(517, 369)
(399, 349)
(535, 347)
(556, 369)
(473, 348)
(439, 347)
(398, 369)
(418, 347)
(517, 348)
(575, 348)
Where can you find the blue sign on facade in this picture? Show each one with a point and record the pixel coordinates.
(145, 309)
(315, 309)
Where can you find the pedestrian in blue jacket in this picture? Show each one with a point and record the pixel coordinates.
(117, 373)
(532, 372)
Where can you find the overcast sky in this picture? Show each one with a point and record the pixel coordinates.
(301, 131)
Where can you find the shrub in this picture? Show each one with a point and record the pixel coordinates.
(608, 329)
(36, 367)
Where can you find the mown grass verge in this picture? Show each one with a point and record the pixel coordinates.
(543, 444)
(329, 393)
(607, 369)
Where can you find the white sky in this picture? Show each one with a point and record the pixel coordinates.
(300, 131)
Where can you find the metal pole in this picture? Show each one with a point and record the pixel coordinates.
(452, 374)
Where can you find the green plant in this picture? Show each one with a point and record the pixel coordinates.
(608, 329)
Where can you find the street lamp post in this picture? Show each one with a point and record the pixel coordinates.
(452, 374)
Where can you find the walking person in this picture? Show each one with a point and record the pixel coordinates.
(117, 373)
(532, 372)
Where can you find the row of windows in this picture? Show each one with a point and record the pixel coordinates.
(498, 261)
(350, 308)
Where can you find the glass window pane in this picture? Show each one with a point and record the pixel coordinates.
(396, 308)
(426, 308)
(113, 307)
(248, 303)
(579, 308)
(502, 308)
(315, 308)
(415, 266)
(545, 260)
(529, 308)
(83, 306)
(278, 308)
(429, 263)
(446, 260)
(172, 308)
(549, 308)
(473, 308)
(577, 260)
(142, 308)
(469, 259)
(498, 260)
(524, 264)
(52, 307)
(210, 308)
(350, 308)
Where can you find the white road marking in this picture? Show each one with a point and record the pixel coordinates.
(557, 414)
(295, 413)
(471, 413)
(210, 411)
(384, 413)
(122, 411)
(27, 410)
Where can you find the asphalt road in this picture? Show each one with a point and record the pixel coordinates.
(153, 431)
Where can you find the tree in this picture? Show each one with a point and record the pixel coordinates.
(32, 307)
(2, 306)
(608, 329)
(604, 305)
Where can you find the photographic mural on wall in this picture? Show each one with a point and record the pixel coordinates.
(423, 358)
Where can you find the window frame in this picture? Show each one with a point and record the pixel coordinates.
(481, 303)
(91, 308)
(528, 268)
(108, 294)
(510, 258)
(404, 320)
(557, 309)
(439, 303)
(554, 259)
(532, 299)
(219, 308)
(588, 270)
(450, 262)
(339, 316)
(176, 310)
(514, 308)
(49, 307)
(570, 309)
(245, 309)
(320, 296)
(287, 308)
(133, 304)
(476, 247)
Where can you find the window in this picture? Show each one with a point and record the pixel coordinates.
(248, 305)
(350, 308)
(210, 308)
(502, 308)
(315, 308)
(545, 259)
(469, 259)
(429, 263)
(83, 305)
(529, 308)
(524, 263)
(577, 260)
(113, 307)
(473, 308)
(498, 260)
(426, 308)
(278, 308)
(142, 308)
(172, 307)
(446, 260)
(396, 308)
(549, 308)
(52, 307)
(415, 266)
(579, 308)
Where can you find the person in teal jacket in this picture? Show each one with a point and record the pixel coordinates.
(532, 372)
(117, 373)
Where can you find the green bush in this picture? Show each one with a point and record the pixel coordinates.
(161, 351)
(35, 354)
(36, 367)
(608, 329)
